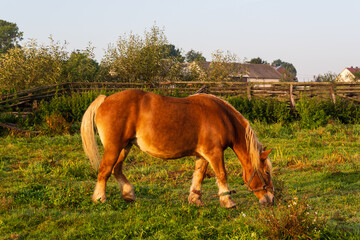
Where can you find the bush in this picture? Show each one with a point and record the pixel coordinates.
(314, 112)
(346, 111)
(292, 220)
(71, 107)
(56, 124)
(310, 113)
(267, 111)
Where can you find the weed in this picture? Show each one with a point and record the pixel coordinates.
(294, 219)
(55, 123)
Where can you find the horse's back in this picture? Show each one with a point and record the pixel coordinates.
(163, 126)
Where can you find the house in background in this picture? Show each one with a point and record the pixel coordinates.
(241, 72)
(348, 75)
(259, 73)
(286, 75)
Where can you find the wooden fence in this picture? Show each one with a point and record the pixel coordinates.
(25, 101)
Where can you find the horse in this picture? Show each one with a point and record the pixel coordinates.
(200, 125)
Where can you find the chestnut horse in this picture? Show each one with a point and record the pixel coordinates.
(200, 125)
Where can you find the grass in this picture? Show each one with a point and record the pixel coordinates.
(47, 182)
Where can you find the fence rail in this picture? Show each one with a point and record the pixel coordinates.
(291, 92)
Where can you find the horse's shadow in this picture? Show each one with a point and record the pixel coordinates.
(332, 181)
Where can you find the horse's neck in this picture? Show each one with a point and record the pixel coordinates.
(246, 146)
(245, 142)
(239, 144)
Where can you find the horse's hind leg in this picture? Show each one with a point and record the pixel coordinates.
(107, 163)
(127, 189)
(199, 173)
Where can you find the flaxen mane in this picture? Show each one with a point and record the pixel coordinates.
(253, 145)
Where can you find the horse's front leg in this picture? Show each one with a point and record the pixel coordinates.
(198, 176)
(216, 160)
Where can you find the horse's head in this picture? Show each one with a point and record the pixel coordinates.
(259, 180)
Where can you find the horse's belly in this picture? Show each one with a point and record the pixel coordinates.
(161, 150)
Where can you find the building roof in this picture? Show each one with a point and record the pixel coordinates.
(353, 69)
(259, 71)
(263, 71)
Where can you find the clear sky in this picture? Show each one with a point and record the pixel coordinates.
(317, 36)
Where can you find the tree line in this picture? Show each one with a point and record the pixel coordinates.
(133, 58)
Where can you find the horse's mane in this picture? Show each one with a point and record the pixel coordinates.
(254, 147)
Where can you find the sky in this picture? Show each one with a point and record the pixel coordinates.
(316, 36)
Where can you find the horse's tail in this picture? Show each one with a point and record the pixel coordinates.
(88, 132)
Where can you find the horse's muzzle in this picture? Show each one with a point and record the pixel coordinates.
(268, 199)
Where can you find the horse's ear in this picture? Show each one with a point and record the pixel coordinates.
(265, 154)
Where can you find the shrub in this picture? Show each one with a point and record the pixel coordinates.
(267, 111)
(291, 220)
(346, 111)
(312, 113)
(56, 124)
(315, 112)
(71, 107)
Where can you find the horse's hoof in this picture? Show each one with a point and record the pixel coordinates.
(128, 196)
(194, 199)
(129, 199)
(227, 203)
(98, 199)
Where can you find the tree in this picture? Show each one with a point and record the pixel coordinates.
(31, 65)
(224, 66)
(257, 60)
(171, 52)
(192, 56)
(290, 72)
(140, 59)
(81, 66)
(357, 76)
(288, 66)
(9, 36)
(326, 77)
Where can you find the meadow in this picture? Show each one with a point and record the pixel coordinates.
(47, 182)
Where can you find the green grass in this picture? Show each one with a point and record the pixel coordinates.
(46, 185)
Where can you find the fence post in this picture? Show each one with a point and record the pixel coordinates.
(332, 92)
(292, 101)
(249, 91)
